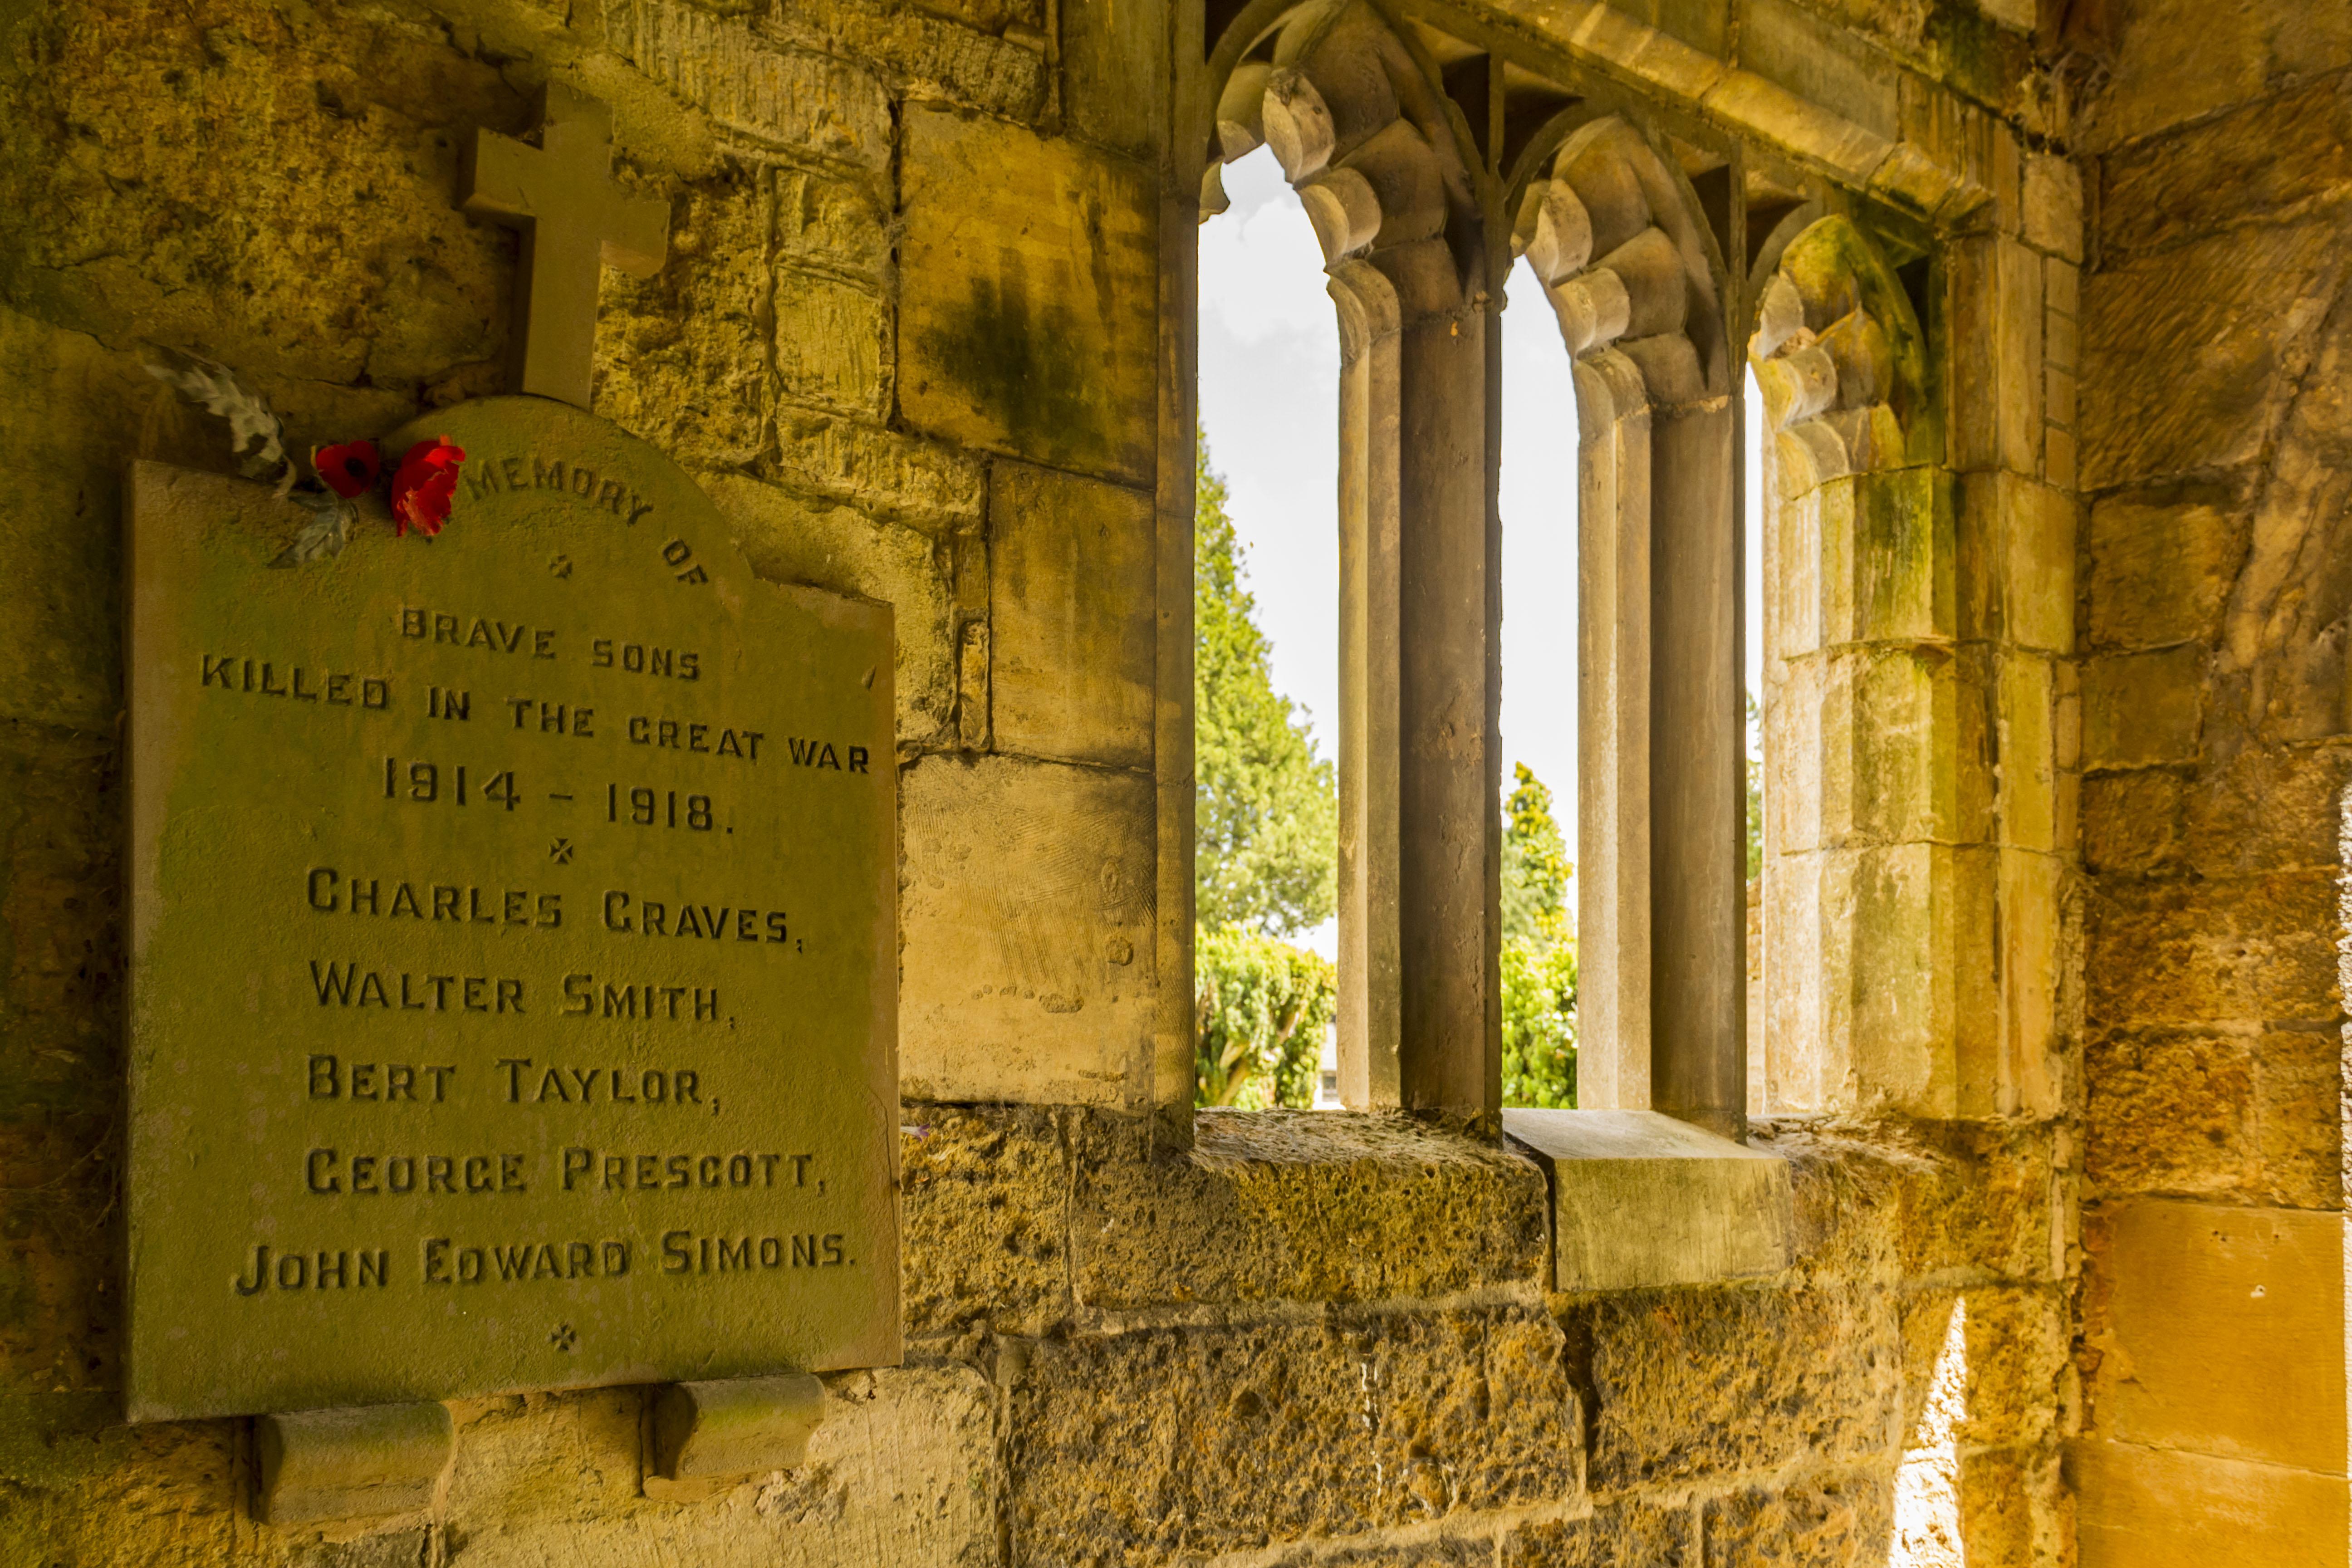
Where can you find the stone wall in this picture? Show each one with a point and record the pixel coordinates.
(913, 336)
(2215, 588)
(1317, 1339)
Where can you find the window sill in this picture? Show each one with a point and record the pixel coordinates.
(1640, 1199)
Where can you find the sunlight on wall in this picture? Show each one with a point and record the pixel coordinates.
(1927, 1483)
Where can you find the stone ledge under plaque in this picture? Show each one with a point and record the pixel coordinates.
(354, 1463)
(703, 1438)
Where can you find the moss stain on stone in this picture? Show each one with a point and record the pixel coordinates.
(1016, 355)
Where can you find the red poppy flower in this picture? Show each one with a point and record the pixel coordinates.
(348, 469)
(425, 484)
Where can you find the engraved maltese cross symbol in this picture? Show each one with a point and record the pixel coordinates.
(562, 1339)
(561, 852)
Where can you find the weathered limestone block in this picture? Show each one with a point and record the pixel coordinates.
(984, 1211)
(2054, 206)
(1023, 19)
(2282, 628)
(2264, 809)
(1991, 1198)
(2162, 561)
(925, 484)
(789, 540)
(2016, 1507)
(1114, 73)
(1994, 294)
(2270, 153)
(2185, 354)
(2298, 1090)
(1840, 1520)
(924, 56)
(1026, 920)
(2218, 1331)
(1900, 727)
(901, 1469)
(1821, 63)
(1029, 298)
(2025, 709)
(2170, 1114)
(832, 344)
(1977, 1197)
(2185, 61)
(82, 1487)
(1886, 563)
(2191, 955)
(829, 225)
(1415, 1549)
(1072, 595)
(2016, 560)
(683, 361)
(1801, 1069)
(1781, 117)
(1299, 1206)
(1692, 1382)
(1909, 1004)
(1882, 981)
(2015, 1345)
(2154, 1507)
(271, 189)
(2029, 941)
(2134, 823)
(1617, 1535)
(2140, 709)
(783, 97)
(1154, 1443)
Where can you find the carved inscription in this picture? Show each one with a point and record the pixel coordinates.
(517, 910)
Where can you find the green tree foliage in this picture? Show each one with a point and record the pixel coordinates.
(1266, 835)
(1535, 862)
(1538, 958)
(1538, 1023)
(1266, 811)
(1263, 1006)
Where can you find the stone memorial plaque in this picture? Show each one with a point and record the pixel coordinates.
(513, 943)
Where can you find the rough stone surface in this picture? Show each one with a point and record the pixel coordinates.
(2215, 428)
(1025, 915)
(986, 1211)
(1838, 1523)
(1810, 1379)
(1285, 1205)
(1212, 1439)
(1632, 1534)
(684, 363)
(1072, 592)
(790, 539)
(913, 332)
(1030, 322)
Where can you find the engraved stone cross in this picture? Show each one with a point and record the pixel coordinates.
(574, 221)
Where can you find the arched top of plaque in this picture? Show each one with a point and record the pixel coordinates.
(513, 943)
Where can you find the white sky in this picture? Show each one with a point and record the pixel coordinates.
(1270, 410)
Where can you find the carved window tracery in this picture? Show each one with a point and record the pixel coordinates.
(1426, 165)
